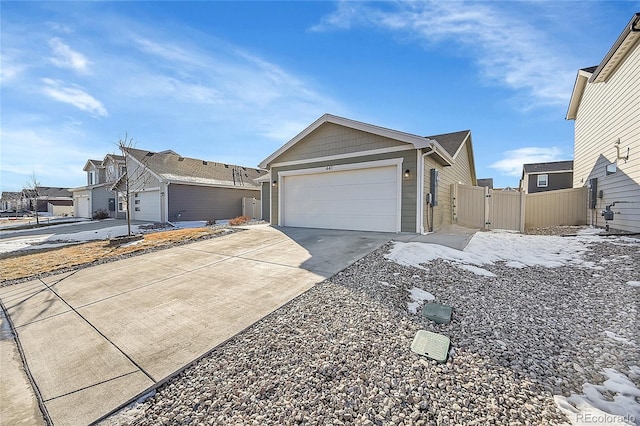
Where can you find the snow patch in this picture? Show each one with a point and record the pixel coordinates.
(386, 284)
(487, 248)
(633, 283)
(476, 270)
(593, 407)
(418, 296)
(613, 336)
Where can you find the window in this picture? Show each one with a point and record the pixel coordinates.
(137, 201)
(543, 181)
(612, 168)
(92, 178)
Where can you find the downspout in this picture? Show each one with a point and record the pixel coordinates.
(421, 199)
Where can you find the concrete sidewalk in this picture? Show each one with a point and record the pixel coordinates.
(95, 338)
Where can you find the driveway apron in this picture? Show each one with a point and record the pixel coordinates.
(95, 338)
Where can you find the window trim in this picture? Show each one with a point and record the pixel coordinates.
(546, 181)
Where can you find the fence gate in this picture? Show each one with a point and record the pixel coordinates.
(251, 207)
(484, 208)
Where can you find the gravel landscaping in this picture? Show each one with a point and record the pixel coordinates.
(528, 338)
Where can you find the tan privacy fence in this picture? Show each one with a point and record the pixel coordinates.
(484, 208)
(251, 207)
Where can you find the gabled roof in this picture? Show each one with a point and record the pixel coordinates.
(625, 43)
(550, 167)
(451, 142)
(97, 164)
(415, 140)
(48, 191)
(172, 168)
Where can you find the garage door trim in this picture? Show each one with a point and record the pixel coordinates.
(344, 167)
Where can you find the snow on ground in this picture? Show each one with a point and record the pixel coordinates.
(612, 403)
(418, 296)
(486, 248)
(7, 246)
(46, 241)
(633, 283)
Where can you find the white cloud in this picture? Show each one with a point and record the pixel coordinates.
(512, 162)
(73, 95)
(65, 57)
(507, 49)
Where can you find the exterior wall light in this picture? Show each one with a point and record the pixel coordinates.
(407, 174)
(274, 183)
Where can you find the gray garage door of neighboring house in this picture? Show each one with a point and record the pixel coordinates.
(146, 206)
(352, 197)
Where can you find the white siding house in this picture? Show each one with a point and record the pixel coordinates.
(605, 105)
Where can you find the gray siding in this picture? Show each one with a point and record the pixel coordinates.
(206, 203)
(409, 189)
(332, 139)
(556, 181)
(266, 200)
(100, 200)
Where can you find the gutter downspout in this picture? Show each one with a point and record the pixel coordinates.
(420, 197)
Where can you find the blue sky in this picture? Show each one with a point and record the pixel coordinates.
(233, 81)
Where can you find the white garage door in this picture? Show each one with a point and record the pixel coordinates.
(146, 206)
(362, 199)
(82, 207)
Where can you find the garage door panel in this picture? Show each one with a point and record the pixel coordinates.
(361, 199)
(146, 206)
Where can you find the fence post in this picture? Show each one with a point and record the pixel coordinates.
(487, 208)
(523, 206)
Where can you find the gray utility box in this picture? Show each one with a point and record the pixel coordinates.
(440, 314)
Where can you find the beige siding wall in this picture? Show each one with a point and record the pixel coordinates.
(332, 139)
(458, 173)
(409, 189)
(609, 111)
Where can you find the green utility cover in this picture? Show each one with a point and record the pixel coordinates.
(432, 345)
(440, 314)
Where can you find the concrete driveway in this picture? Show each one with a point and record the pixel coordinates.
(96, 338)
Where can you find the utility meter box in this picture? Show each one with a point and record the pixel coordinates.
(434, 180)
(607, 213)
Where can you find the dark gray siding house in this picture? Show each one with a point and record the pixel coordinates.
(167, 187)
(551, 176)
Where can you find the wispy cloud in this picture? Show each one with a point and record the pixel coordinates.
(73, 95)
(507, 48)
(65, 57)
(511, 164)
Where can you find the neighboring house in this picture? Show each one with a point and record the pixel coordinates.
(60, 207)
(97, 194)
(39, 198)
(605, 105)
(164, 187)
(486, 182)
(541, 177)
(10, 201)
(343, 174)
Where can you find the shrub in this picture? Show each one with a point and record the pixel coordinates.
(100, 214)
(239, 220)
